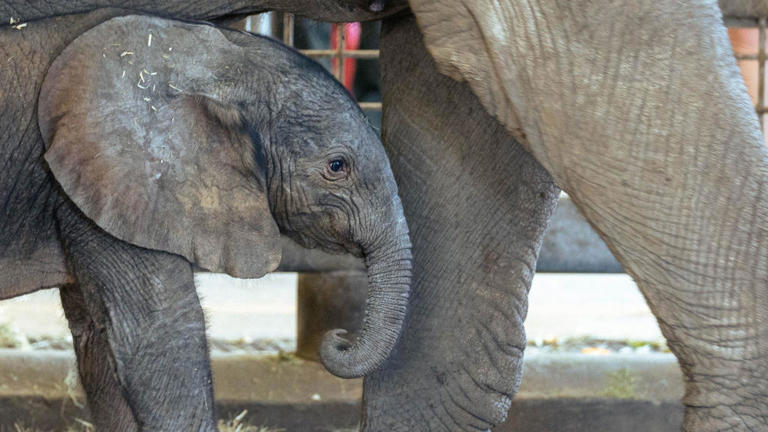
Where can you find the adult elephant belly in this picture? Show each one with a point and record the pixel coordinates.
(30, 252)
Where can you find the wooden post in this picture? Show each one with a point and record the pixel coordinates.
(327, 301)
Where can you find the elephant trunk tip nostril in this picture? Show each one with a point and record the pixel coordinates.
(340, 357)
(336, 340)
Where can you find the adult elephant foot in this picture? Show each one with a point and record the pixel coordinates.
(652, 134)
(478, 204)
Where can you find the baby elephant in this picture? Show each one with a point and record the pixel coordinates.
(170, 145)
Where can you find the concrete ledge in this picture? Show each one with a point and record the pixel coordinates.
(652, 377)
(560, 392)
(587, 415)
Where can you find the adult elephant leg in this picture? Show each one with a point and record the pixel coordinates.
(477, 205)
(638, 110)
(109, 409)
(144, 303)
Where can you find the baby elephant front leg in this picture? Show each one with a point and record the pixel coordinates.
(147, 305)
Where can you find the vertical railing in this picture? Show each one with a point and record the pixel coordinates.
(761, 69)
(750, 52)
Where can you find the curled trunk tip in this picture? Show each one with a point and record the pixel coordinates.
(389, 284)
(339, 358)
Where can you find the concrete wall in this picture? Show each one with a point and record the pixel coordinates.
(572, 246)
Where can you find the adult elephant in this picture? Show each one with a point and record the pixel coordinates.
(637, 109)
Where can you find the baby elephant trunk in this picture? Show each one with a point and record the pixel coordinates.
(388, 262)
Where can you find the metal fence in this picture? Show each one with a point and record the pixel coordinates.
(748, 38)
(283, 26)
(339, 54)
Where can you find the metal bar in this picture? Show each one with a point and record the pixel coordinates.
(357, 54)
(761, 66)
(340, 51)
(747, 57)
(370, 105)
(288, 21)
(737, 22)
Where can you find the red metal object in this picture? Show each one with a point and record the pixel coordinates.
(352, 36)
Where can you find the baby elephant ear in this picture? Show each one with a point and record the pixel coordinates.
(143, 149)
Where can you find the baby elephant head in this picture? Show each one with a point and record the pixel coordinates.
(208, 143)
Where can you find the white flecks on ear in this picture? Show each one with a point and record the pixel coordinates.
(138, 146)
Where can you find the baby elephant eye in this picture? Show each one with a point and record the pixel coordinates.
(336, 165)
(336, 169)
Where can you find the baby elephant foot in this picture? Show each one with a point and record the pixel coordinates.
(144, 311)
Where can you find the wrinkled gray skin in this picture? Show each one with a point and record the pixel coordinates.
(121, 189)
(651, 133)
